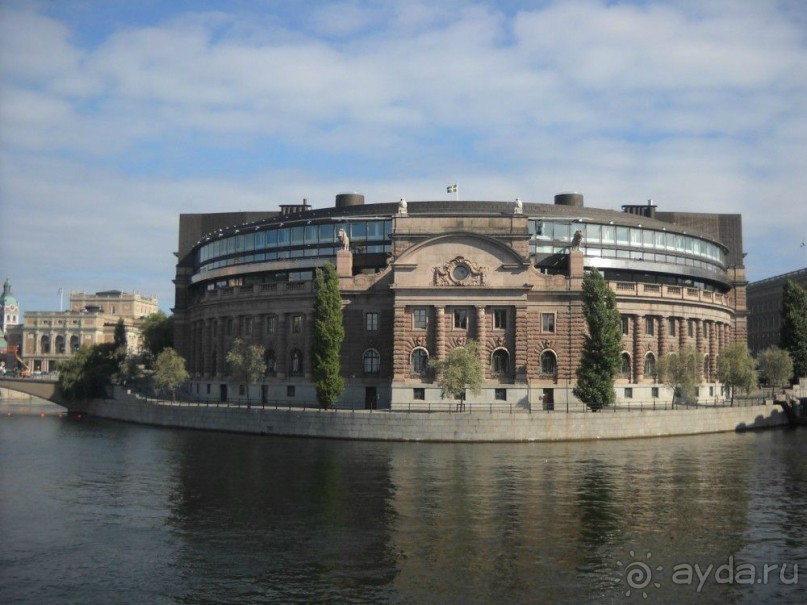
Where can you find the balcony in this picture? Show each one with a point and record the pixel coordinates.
(669, 292)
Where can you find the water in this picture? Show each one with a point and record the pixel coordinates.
(96, 511)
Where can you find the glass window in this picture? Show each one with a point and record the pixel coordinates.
(547, 322)
(419, 394)
(549, 364)
(625, 369)
(375, 230)
(358, 231)
(500, 319)
(544, 230)
(625, 325)
(500, 361)
(562, 232)
(231, 245)
(419, 361)
(282, 237)
(271, 324)
(660, 240)
(420, 319)
(670, 239)
(461, 319)
(296, 363)
(311, 234)
(593, 234)
(636, 238)
(501, 394)
(679, 243)
(297, 324)
(271, 238)
(371, 361)
(371, 322)
(260, 240)
(326, 233)
(650, 365)
(650, 326)
(622, 235)
(608, 234)
(647, 238)
(628, 392)
(297, 235)
(671, 326)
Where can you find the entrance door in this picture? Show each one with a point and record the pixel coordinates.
(370, 398)
(549, 399)
(223, 393)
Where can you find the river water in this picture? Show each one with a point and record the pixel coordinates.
(95, 511)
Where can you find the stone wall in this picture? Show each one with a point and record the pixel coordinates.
(477, 427)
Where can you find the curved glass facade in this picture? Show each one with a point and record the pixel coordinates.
(304, 240)
(630, 243)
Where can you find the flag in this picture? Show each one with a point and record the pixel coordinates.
(451, 188)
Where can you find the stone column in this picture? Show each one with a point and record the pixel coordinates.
(662, 335)
(308, 321)
(281, 354)
(400, 355)
(638, 334)
(713, 336)
(682, 333)
(699, 346)
(481, 337)
(440, 332)
(521, 342)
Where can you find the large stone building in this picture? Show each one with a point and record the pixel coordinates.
(765, 309)
(421, 278)
(49, 337)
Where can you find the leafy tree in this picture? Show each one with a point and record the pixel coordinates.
(327, 336)
(793, 336)
(169, 371)
(776, 367)
(737, 369)
(158, 333)
(87, 373)
(679, 371)
(460, 370)
(602, 345)
(246, 362)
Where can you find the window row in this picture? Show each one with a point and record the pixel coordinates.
(499, 362)
(651, 322)
(363, 231)
(631, 237)
(500, 319)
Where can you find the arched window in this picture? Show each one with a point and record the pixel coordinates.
(44, 344)
(296, 365)
(60, 344)
(74, 344)
(500, 361)
(371, 361)
(269, 360)
(650, 365)
(549, 364)
(418, 361)
(625, 369)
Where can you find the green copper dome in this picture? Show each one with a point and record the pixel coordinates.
(7, 299)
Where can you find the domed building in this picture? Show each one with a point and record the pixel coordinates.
(420, 278)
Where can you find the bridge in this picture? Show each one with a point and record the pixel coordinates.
(44, 388)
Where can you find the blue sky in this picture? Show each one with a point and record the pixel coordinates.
(117, 116)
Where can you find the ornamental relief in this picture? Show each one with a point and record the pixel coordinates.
(456, 341)
(460, 272)
(417, 341)
(547, 344)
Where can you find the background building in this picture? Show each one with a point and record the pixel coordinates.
(418, 279)
(765, 308)
(50, 336)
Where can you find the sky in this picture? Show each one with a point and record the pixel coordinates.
(117, 116)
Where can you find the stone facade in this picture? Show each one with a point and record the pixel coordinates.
(417, 284)
(765, 309)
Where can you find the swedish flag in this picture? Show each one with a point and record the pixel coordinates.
(451, 189)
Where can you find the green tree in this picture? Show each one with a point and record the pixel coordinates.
(158, 333)
(169, 371)
(679, 371)
(88, 372)
(737, 369)
(460, 370)
(246, 362)
(793, 336)
(775, 367)
(602, 346)
(327, 336)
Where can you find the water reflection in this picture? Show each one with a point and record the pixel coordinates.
(97, 512)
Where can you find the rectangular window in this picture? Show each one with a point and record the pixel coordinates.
(208, 388)
(500, 319)
(691, 328)
(247, 326)
(371, 322)
(671, 326)
(649, 326)
(654, 392)
(628, 392)
(625, 325)
(241, 390)
(420, 319)
(501, 394)
(297, 323)
(229, 327)
(290, 390)
(547, 322)
(419, 394)
(461, 319)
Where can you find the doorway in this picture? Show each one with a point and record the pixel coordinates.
(549, 399)
(370, 398)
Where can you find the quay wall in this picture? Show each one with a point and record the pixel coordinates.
(442, 426)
